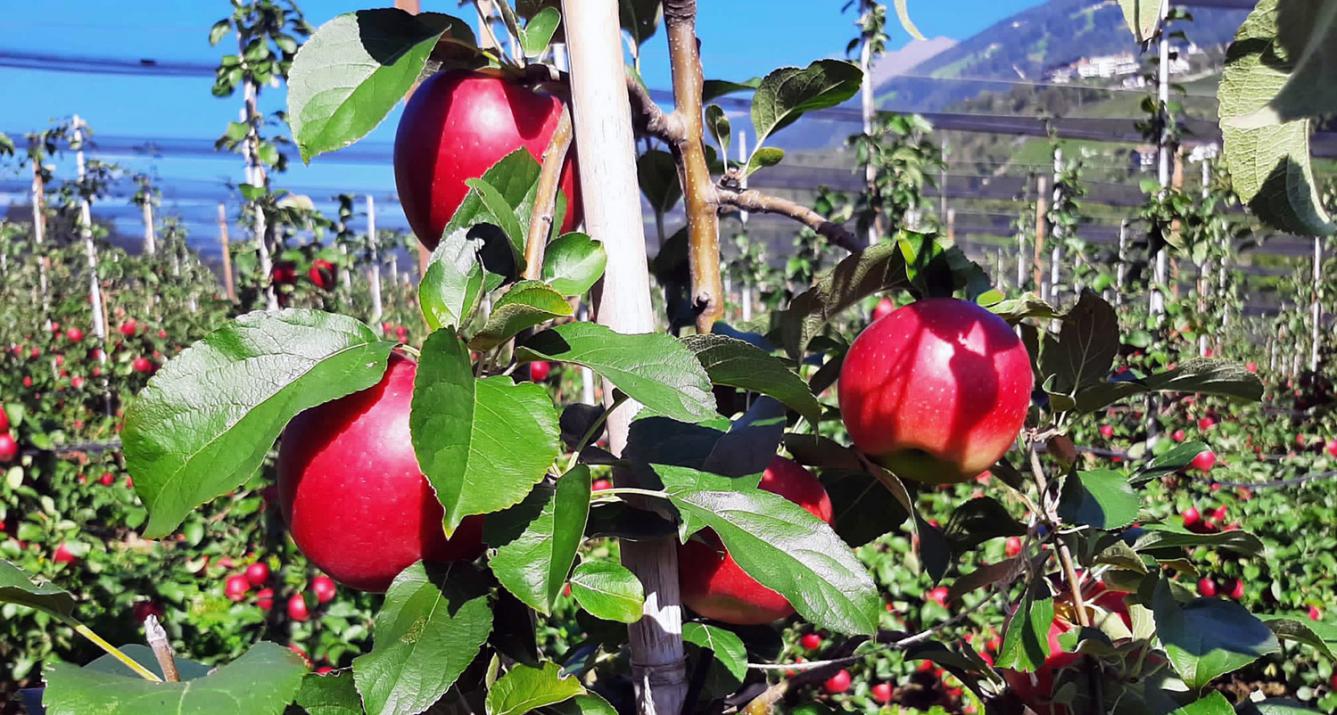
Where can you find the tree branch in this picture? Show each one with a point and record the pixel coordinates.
(755, 201)
(648, 118)
(545, 198)
(699, 195)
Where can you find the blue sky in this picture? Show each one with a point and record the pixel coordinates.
(735, 46)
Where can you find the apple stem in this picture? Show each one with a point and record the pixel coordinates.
(545, 198)
(699, 194)
(156, 636)
(113, 651)
(1064, 553)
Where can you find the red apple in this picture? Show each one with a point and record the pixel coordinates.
(810, 641)
(1206, 587)
(1315, 614)
(297, 609)
(128, 328)
(1237, 591)
(938, 595)
(236, 587)
(74, 335)
(539, 370)
(63, 555)
(107, 479)
(4, 419)
(883, 308)
(359, 446)
(838, 683)
(937, 391)
(9, 449)
(257, 574)
(601, 484)
(715, 586)
(1178, 435)
(264, 599)
(881, 693)
(1036, 690)
(1106, 431)
(1012, 547)
(1251, 366)
(1204, 461)
(322, 274)
(283, 273)
(455, 127)
(1206, 423)
(141, 365)
(1191, 517)
(1332, 447)
(323, 588)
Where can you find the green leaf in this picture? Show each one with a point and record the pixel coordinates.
(525, 689)
(657, 173)
(1087, 343)
(263, 680)
(863, 510)
(764, 157)
(733, 362)
(430, 628)
(1142, 16)
(539, 30)
(587, 704)
(873, 270)
(330, 694)
(1163, 536)
(1209, 377)
(573, 263)
(718, 124)
(535, 541)
(207, 419)
(1214, 704)
(1101, 499)
(483, 443)
(502, 212)
(716, 88)
(1028, 305)
(355, 69)
(1275, 706)
(454, 283)
(1208, 638)
(608, 590)
(640, 18)
(1026, 635)
(1301, 631)
(787, 93)
(978, 521)
(785, 548)
(506, 202)
(16, 586)
(1173, 460)
(523, 305)
(142, 654)
(728, 648)
(1268, 162)
(654, 369)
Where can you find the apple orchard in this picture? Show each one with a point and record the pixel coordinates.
(577, 443)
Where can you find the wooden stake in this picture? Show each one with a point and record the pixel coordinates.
(229, 285)
(606, 150)
(39, 231)
(374, 272)
(1041, 226)
(162, 649)
(150, 237)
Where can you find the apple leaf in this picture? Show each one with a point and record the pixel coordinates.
(16, 586)
(432, 625)
(1164, 536)
(525, 689)
(608, 590)
(1143, 17)
(523, 305)
(208, 418)
(787, 93)
(732, 362)
(504, 197)
(502, 212)
(535, 541)
(1100, 498)
(1209, 377)
(1028, 305)
(1026, 633)
(483, 443)
(587, 704)
(863, 509)
(573, 263)
(750, 445)
(1213, 704)
(1304, 631)
(764, 157)
(454, 283)
(654, 369)
(783, 547)
(978, 521)
(1086, 347)
(1268, 157)
(1207, 638)
(725, 644)
(875, 269)
(640, 18)
(657, 173)
(538, 32)
(329, 694)
(265, 679)
(355, 69)
(1173, 460)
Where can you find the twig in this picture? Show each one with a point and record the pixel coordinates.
(699, 195)
(649, 118)
(755, 201)
(545, 198)
(1064, 553)
(162, 648)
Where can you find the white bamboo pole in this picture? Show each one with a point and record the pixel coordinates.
(374, 272)
(39, 236)
(150, 235)
(606, 149)
(1316, 310)
(1161, 259)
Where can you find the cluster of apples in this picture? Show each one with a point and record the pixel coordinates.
(256, 575)
(1209, 521)
(9, 447)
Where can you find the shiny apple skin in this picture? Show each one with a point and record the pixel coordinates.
(352, 494)
(937, 391)
(715, 586)
(455, 127)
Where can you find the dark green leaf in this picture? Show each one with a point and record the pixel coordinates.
(725, 644)
(573, 262)
(1086, 347)
(430, 628)
(1209, 377)
(523, 305)
(1207, 638)
(535, 541)
(787, 93)
(1026, 635)
(639, 18)
(16, 586)
(330, 694)
(1101, 499)
(1173, 460)
(454, 282)
(1303, 631)
(732, 362)
(978, 521)
(654, 369)
(1214, 704)
(207, 419)
(876, 269)
(657, 173)
(1161, 536)
(863, 510)
(483, 443)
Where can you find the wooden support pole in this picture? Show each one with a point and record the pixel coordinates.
(150, 235)
(374, 271)
(1041, 227)
(39, 232)
(229, 285)
(606, 150)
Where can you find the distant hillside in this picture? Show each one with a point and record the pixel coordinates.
(1033, 41)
